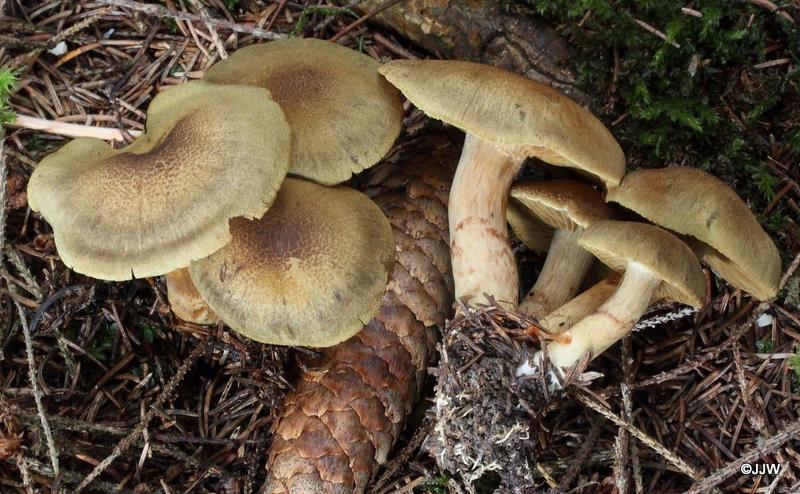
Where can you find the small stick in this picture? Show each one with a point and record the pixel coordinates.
(37, 393)
(223, 54)
(772, 7)
(650, 29)
(691, 12)
(22, 465)
(587, 399)
(123, 445)
(697, 362)
(68, 129)
(769, 446)
(773, 63)
(361, 20)
(3, 190)
(159, 11)
(623, 444)
(580, 458)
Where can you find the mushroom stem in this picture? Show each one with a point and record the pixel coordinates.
(184, 299)
(561, 277)
(611, 321)
(481, 255)
(566, 316)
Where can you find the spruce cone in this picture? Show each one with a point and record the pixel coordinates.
(349, 407)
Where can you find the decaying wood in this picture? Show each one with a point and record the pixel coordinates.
(349, 407)
(483, 31)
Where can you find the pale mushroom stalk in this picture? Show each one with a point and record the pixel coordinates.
(482, 258)
(562, 274)
(612, 321)
(507, 117)
(567, 315)
(184, 299)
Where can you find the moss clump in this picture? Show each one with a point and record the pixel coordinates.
(702, 97)
(8, 79)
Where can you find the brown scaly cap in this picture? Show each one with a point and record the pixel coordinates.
(512, 112)
(155, 205)
(562, 204)
(344, 116)
(693, 202)
(618, 243)
(311, 272)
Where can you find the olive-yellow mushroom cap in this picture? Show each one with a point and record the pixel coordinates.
(310, 272)
(344, 116)
(562, 204)
(622, 243)
(511, 112)
(693, 202)
(210, 153)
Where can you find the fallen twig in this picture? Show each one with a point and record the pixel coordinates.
(772, 7)
(3, 189)
(68, 129)
(650, 29)
(131, 438)
(580, 458)
(588, 399)
(768, 447)
(37, 393)
(223, 53)
(361, 20)
(159, 11)
(694, 364)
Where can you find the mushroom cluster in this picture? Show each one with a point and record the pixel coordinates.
(651, 230)
(203, 199)
(694, 216)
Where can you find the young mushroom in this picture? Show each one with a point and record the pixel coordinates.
(164, 200)
(568, 207)
(693, 202)
(344, 116)
(507, 118)
(656, 265)
(310, 272)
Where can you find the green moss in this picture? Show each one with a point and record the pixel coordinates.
(702, 104)
(765, 346)
(794, 362)
(8, 79)
(172, 24)
(437, 485)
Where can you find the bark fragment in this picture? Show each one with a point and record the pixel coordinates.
(484, 31)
